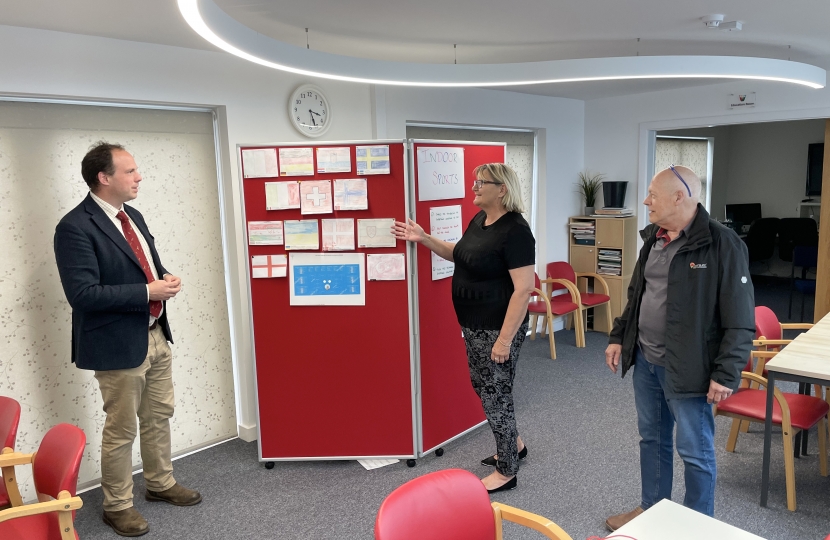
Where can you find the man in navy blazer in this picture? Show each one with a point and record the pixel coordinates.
(114, 280)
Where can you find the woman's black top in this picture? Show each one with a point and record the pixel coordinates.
(481, 284)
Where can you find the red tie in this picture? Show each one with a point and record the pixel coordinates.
(132, 239)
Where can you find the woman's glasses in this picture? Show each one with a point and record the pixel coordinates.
(478, 183)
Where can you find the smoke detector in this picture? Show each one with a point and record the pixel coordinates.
(716, 22)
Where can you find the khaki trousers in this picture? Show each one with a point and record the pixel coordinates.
(145, 392)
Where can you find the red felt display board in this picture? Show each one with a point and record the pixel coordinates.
(449, 405)
(334, 381)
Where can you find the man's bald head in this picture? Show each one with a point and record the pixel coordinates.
(669, 181)
(669, 202)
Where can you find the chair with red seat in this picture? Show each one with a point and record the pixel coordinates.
(588, 300)
(451, 504)
(9, 420)
(55, 468)
(554, 306)
(793, 412)
(769, 336)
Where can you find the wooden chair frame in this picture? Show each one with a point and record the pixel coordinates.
(9, 478)
(764, 344)
(502, 512)
(64, 505)
(548, 318)
(787, 429)
(584, 309)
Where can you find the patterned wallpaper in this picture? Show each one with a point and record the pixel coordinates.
(41, 147)
(519, 152)
(691, 153)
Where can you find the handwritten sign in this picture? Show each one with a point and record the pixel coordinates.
(444, 224)
(440, 173)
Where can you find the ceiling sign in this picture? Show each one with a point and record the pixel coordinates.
(742, 101)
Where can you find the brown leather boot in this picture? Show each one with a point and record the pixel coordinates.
(178, 495)
(127, 522)
(615, 522)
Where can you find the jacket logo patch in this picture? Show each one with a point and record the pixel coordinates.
(694, 266)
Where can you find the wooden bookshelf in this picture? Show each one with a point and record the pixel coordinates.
(612, 253)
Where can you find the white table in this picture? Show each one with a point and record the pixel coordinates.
(668, 520)
(806, 359)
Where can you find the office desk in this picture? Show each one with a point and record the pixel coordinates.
(807, 360)
(669, 520)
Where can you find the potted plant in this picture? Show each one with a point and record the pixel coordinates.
(588, 187)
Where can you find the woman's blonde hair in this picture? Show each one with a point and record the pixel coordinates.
(504, 174)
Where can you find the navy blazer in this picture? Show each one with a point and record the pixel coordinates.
(106, 287)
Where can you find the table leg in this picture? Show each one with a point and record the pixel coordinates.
(767, 438)
(808, 391)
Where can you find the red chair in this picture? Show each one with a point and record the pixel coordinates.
(587, 300)
(55, 471)
(793, 412)
(451, 504)
(9, 420)
(554, 306)
(769, 336)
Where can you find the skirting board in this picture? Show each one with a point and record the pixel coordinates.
(247, 433)
(92, 484)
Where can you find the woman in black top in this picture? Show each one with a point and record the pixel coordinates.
(491, 286)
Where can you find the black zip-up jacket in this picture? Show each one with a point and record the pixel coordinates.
(710, 309)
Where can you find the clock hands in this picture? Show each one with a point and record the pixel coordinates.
(314, 112)
(310, 112)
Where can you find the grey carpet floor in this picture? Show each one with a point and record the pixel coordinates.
(579, 425)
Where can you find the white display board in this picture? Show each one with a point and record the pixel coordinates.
(440, 173)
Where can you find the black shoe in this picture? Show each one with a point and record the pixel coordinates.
(490, 461)
(510, 484)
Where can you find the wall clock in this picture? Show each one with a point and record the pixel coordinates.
(309, 110)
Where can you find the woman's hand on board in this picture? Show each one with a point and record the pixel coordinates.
(409, 231)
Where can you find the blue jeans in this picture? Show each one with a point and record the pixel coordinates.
(656, 418)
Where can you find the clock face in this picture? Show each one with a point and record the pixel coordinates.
(309, 111)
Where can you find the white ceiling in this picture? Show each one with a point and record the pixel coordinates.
(485, 31)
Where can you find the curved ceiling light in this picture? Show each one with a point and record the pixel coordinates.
(217, 27)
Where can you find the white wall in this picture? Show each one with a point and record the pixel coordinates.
(616, 128)
(760, 162)
(253, 106)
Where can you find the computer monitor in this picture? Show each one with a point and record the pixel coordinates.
(744, 214)
(815, 163)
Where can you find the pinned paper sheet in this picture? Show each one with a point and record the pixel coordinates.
(260, 163)
(338, 234)
(370, 464)
(373, 159)
(301, 234)
(265, 233)
(375, 233)
(282, 195)
(444, 224)
(327, 279)
(386, 267)
(351, 194)
(268, 266)
(315, 197)
(440, 173)
(297, 162)
(335, 159)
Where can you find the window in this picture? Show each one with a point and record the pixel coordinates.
(694, 153)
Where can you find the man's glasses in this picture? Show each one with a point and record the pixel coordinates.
(677, 174)
(478, 183)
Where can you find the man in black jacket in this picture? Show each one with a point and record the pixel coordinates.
(687, 330)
